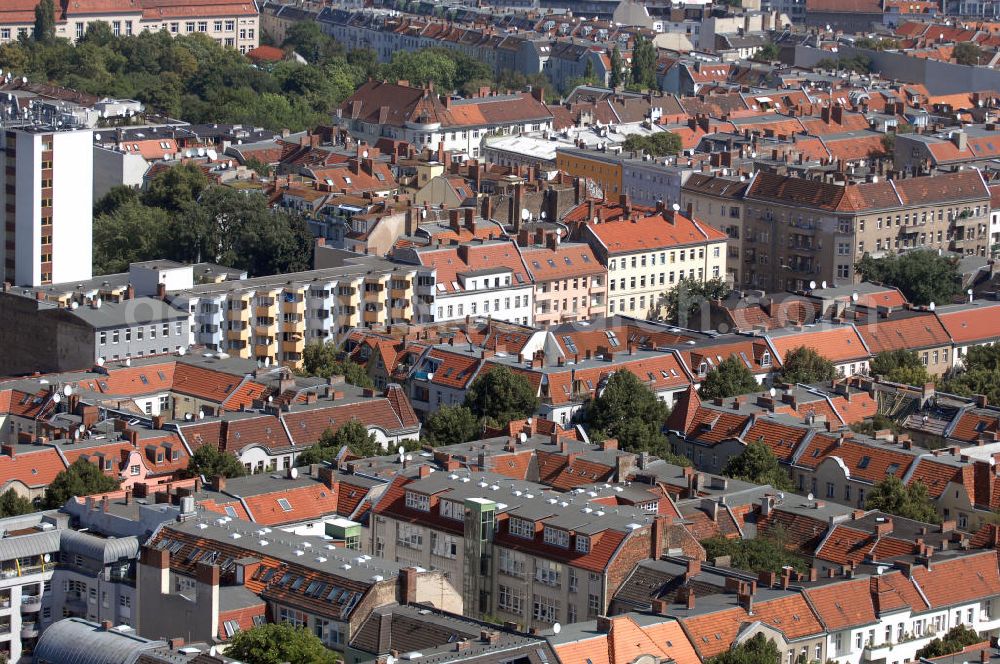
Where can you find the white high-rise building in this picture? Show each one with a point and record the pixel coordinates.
(48, 205)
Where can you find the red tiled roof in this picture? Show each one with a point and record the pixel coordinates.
(969, 325)
(844, 605)
(652, 233)
(307, 425)
(876, 461)
(907, 332)
(714, 633)
(556, 470)
(450, 261)
(838, 344)
(34, 469)
(307, 503)
(959, 580)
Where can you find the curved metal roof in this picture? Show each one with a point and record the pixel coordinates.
(98, 548)
(78, 641)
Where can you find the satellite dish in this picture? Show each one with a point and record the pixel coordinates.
(968, 292)
(47, 557)
(56, 398)
(364, 155)
(409, 457)
(181, 350)
(400, 450)
(932, 306)
(389, 659)
(595, 220)
(854, 297)
(267, 361)
(525, 215)
(100, 361)
(212, 651)
(201, 415)
(270, 399)
(812, 285)
(810, 496)
(188, 416)
(128, 361)
(523, 437)
(676, 207)
(97, 137)
(293, 472)
(67, 390)
(772, 392)
(556, 628)
(823, 285)
(82, 429)
(542, 214)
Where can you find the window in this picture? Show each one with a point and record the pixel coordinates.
(418, 501)
(410, 536)
(556, 537)
(548, 573)
(291, 617)
(522, 528)
(445, 546)
(583, 544)
(510, 599)
(544, 609)
(452, 510)
(511, 563)
(284, 504)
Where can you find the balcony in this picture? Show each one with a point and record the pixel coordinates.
(237, 314)
(297, 307)
(373, 316)
(238, 335)
(31, 603)
(264, 310)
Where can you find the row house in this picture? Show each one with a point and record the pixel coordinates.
(570, 283)
(233, 23)
(650, 255)
(524, 555)
(477, 278)
(271, 319)
(969, 325)
(208, 577)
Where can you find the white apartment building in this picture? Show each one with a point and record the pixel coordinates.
(478, 278)
(47, 186)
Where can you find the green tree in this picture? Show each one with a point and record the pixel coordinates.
(967, 53)
(449, 425)
(687, 304)
(922, 276)
(279, 643)
(82, 478)
(176, 188)
(900, 366)
(767, 53)
(805, 365)
(878, 422)
(501, 395)
(660, 144)
(626, 409)
(955, 640)
(320, 359)
(308, 40)
(760, 554)
(131, 232)
(45, 21)
(758, 465)
(115, 198)
(758, 649)
(890, 495)
(730, 378)
(979, 374)
(352, 435)
(644, 64)
(616, 77)
(209, 461)
(12, 504)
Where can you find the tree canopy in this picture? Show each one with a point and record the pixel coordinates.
(449, 425)
(627, 410)
(805, 365)
(890, 495)
(209, 461)
(730, 378)
(900, 366)
(11, 504)
(45, 21)
(979, 374)
(82, 478)
(967, 53)
(184, 218)
(758, 649)
(760, 554)
(686, 304)
(922, 275)
(644, 65)
(660, 144)
(758, 465)
(353, 435)
(279, 643)
(955, 640)
(320, 359)
(502, 395)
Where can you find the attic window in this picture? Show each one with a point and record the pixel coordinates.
(892, 468)
(284, 504)
(143, 378)
(231, 511)
(865, 460)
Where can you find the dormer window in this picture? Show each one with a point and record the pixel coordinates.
(418, 501)
(556, 537)
(451, 509)
(522, 528)
(582, 544)
(702, 368)
(765, 359)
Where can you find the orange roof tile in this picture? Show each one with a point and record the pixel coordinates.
(34, 469)
(652, 233)
(844, 605)
(960, 580)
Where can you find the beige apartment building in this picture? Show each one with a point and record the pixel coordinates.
(570, 283)
(718, 201)
(793, 231)
(647, 257)
(233, 23)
